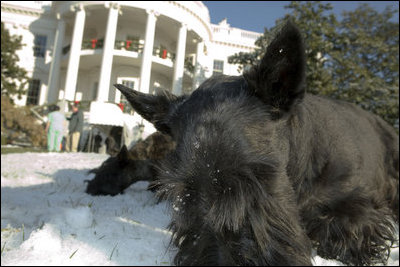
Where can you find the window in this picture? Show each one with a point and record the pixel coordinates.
(33, 92)
(218, 67)
(39, 47)
(127, 106)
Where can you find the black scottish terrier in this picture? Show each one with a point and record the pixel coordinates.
(129, 166)
(262, 171)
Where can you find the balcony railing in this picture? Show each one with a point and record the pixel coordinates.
(131, 45)
(92, 44)
(163, 53)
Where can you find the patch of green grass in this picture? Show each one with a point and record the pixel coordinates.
(2, 249)
(8, 150)
(112, 252)
(73, 254)
(3, 140)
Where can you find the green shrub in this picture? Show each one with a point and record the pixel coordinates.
(3, 140)
(19, 123)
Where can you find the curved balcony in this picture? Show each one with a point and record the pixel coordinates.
(160, 54)
(192, 13)
(110, 41)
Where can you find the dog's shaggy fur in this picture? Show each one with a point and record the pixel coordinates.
(129, 166)
(263, 171)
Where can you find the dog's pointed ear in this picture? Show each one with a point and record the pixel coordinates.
(153, 108)
(279, 78)
(123, 155)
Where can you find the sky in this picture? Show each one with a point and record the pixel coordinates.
(48, 219)
(255, 15)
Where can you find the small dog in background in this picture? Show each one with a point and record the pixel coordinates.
(129, 166)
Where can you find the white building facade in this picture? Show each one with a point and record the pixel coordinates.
(77, 50)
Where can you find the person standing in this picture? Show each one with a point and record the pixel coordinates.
(74, 129)
(55, 129)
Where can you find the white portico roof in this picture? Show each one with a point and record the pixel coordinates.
(106, 114)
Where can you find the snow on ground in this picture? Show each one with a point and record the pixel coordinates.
(48, 219)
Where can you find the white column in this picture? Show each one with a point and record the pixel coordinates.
(179, 61)
(52, 90)
(74, 53)
(199, 75)
(145, 71)
(117, 98)
(42, 95)
(108, 50)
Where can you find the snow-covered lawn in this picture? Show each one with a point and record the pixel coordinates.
(48, 219)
